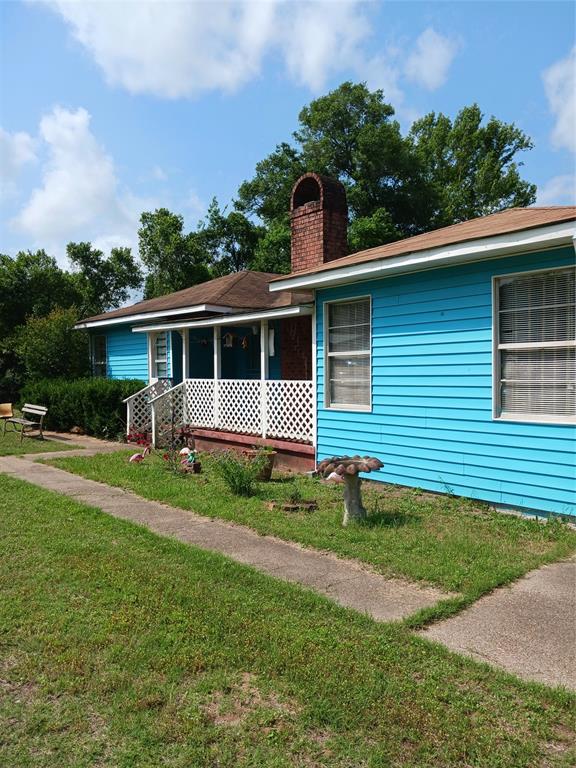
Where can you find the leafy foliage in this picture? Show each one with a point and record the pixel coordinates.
(103, 283)
(34, 287)
(95, 404)
(239, 472)
(49, 347)
(471, 166)
(174, 260)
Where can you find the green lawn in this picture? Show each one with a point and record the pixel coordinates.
(121, 649)
(456, 544)
(10, 444)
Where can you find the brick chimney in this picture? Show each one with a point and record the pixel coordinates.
(318, 220)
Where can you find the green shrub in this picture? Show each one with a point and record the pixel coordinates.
(239, 472)
(94, 404)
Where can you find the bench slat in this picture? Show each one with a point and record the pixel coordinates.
(39, 410)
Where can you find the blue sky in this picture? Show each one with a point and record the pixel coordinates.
(111, 108)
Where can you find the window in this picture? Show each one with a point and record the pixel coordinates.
(347, 326)
(161, 355)
(535, 346)
(99, 356)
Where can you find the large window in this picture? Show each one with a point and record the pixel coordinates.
(99, 356)
(348, 333)
(161, 355)
(535, 346)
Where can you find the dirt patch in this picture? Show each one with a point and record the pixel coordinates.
(232, 707)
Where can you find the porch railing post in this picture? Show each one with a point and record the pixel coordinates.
(154, 435)
(264, 407)
(128, 417)
(217, 374)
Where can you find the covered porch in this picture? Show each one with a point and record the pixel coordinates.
(236, 380)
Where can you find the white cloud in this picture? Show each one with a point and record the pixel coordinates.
(79, 196)
(16, 151)
(431, 59)
(559, 190)
(560, 87)
(178, 48)
(319, 38)
(173, 49)
(159, 174)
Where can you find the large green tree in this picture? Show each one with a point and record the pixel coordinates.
(174, 260)
(229, 240)
(102, 283)
(470, 164)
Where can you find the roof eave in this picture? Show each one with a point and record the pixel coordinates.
(140, 316)
(299, 310)
(443, 256)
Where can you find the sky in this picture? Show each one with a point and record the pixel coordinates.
(108, 109)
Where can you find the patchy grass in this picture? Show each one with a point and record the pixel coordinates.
(119, 648)
(10, 444)
(454, 543)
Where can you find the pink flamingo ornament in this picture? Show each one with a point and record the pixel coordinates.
(138, 457)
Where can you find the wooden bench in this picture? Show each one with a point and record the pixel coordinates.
(24, 424)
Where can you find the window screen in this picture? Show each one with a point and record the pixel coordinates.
(161, 356)
(99, 356)
(537, 345)
(348, 354)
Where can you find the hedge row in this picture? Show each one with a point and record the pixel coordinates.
(94, 404)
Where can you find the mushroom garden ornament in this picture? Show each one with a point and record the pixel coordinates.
(349, 467)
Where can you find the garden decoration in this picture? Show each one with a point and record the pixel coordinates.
(188, 461)
(349, 467)
(136, 458)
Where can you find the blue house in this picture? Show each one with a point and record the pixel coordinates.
(451, 356)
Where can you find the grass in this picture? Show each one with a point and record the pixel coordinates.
(458, 545)
(121, 649)
(10, 444)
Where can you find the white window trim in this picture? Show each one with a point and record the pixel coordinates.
(523, 418)
(153, 361)
(344, 406)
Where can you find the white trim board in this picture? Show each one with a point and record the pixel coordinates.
(236, 319)
(152, 315)
(459, 253)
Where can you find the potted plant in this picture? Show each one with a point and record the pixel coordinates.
(264, 456)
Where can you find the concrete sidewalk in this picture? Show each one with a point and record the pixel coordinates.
(346, 582)
(528, 628)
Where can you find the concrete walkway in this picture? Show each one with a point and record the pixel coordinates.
(344, 581)
(528, 628)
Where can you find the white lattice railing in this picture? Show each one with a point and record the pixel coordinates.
(280, 409)
(139, 411)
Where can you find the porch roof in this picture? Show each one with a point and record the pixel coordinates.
(238, 292)
(238, 318)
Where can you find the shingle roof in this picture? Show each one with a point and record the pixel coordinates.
(503, 222)
(239, 290)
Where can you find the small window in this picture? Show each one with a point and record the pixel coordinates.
(535, 348)
(99, 356)
(161, 355)
(348, 364)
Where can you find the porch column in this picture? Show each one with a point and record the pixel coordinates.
(263, 376)
(217, 372)
(185, 333)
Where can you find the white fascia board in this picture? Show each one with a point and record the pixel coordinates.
(152, 315)
(445, 256)
(237, 319)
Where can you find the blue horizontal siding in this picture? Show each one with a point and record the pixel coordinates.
(127, 354)
(431, 417)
